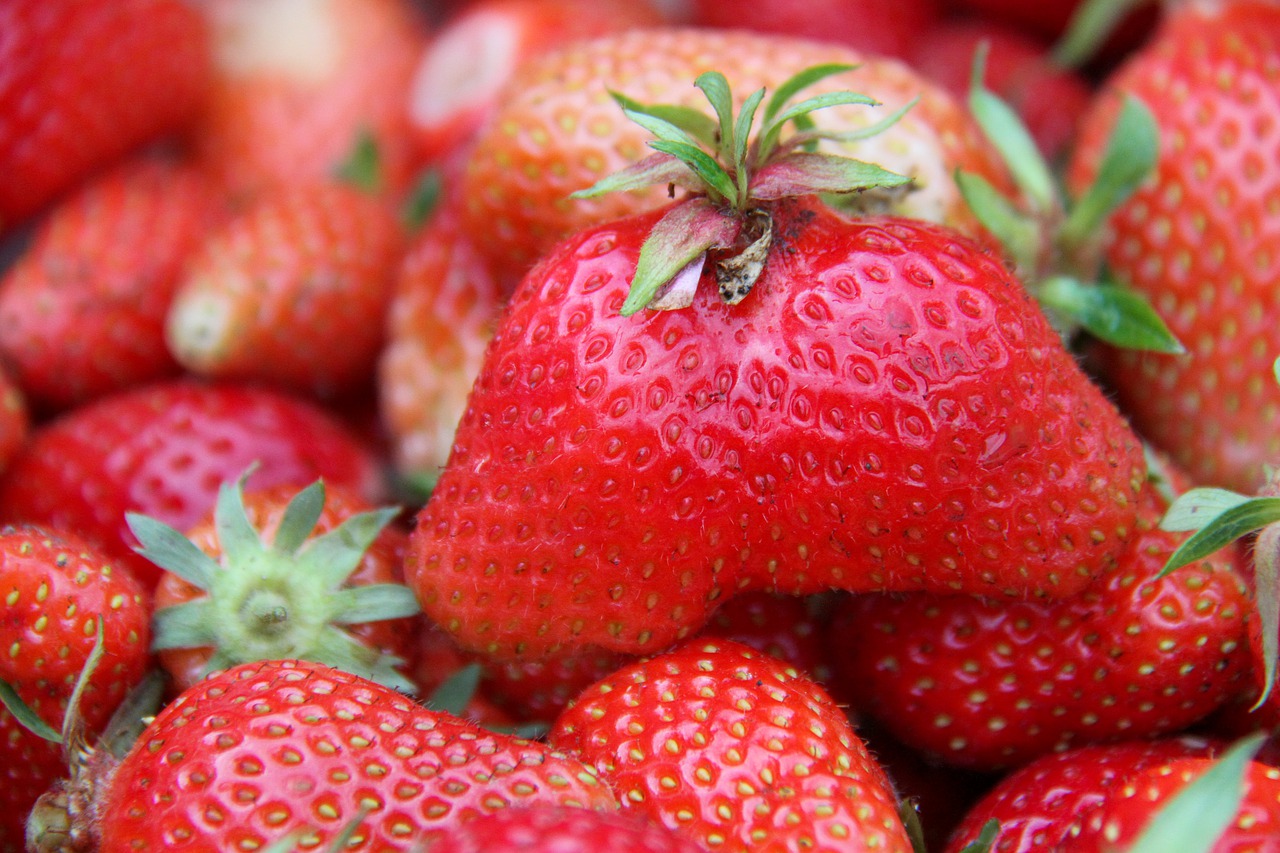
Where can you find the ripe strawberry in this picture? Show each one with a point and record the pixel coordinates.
(1196, 239)
(874, 27)
(729, 746)
(82, 311)
(265, 750)
(15, 419)
(269, 294)
(442, 313)
(467, 63)
(781, 626)
(164, 450)
(992, 684)
(56, 589)
(62, 117)
(275, 575)
(556, 131)
(555, 829)
(288, 111)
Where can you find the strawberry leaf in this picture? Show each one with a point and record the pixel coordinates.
(1016, 233)
(1007, 132)
(687, 231)
(1266, 589)
(239, 541)
(1222, 529)
(797, 83)
(456, 692)
(909, 814)
(657, 168)
(171, 551)
(1195, 508)
(300, 518)
(1090, 25)
(188, 625)
(1192, 820)
(333, 556)
(773, 127)
(363, 167)
(800, 173)
(986, 838)
(688, 119)
(25, 715)
(742, 127)
(703, 165)
(373, 602)
(1110, 313)
(714, 85)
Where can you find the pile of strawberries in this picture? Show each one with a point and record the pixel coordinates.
(698, 426)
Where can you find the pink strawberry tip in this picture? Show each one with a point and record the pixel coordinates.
(1053, 242)
(278, 600)
(733, 176)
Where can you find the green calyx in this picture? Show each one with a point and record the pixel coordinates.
(1051, 241)
(278, 600)
(733, 174)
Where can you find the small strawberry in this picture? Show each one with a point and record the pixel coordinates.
(267, 296)
(280, 750)
(276, 575)
(870, 404)
(82, 310)
(164, 450)
(735, 750)
(298, 85)
(1197, 239)
(466, 64)
(991, 684)
(56, 594)
(556, 829)
(62, 117)
(557, 130)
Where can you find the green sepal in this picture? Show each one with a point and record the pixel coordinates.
(985, 840)
(874, 129)
(657, 168)
(1019, 235)
(801, 173)
(1007, 132)
(714, 85)
(742, 128)
(338, 649)
(424, 199)
(171, 551)
(72, 718)
(373, 602)
(690, 120)
(703, 165)
(335, 554)
(658, 126)
(1090, 25)
(239, 541)
(772, 128)
(1266, 591)
(184, 626)
(456, 692)
(1218, 530)
(909, 814)
(301, 516)
(362, 168)
(1130, 156)
(1109, 312)
(25, 715)
(800, 81)
(1193, 819)
(686, 231)
(134, 713)
(1196, 507)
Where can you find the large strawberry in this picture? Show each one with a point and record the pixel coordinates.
(289, 750)
(885, 410)
(1198, 238)
(82, 84)
(557, 829)
(734, 749)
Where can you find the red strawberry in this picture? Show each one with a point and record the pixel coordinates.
(164, 450)
(82, 311)
(991, 684)
(556, 131)
(274, 574)
(442, 312)
(554, 829)
(781, 626)
(269, 294)
(54, 590)
(297, 86)
(15, 419)
(731, 748)
(82, 84)
(875, 27)
(265, 750)
(464, 67)
(1197, 238)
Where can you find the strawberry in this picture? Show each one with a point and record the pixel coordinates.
(62, 117)
(441, 315)
(730, 747)
(274, 574)
(1196, 238)
(885, 410)
(15, 419)
(556, 131)
(784, 627)
(556, 829)
(164, 450)
(266, 296)
(56, 589)
(466, 64)
(990, 684)
(287, 111)
(875, 27)
(266, 750)
(82, 311)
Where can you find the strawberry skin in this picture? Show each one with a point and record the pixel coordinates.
(1197, 239)
(887, 411)
(735, 750)
(263, 750)
(82, 311)
(164, 449)
(552, 829)
(62, 117)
